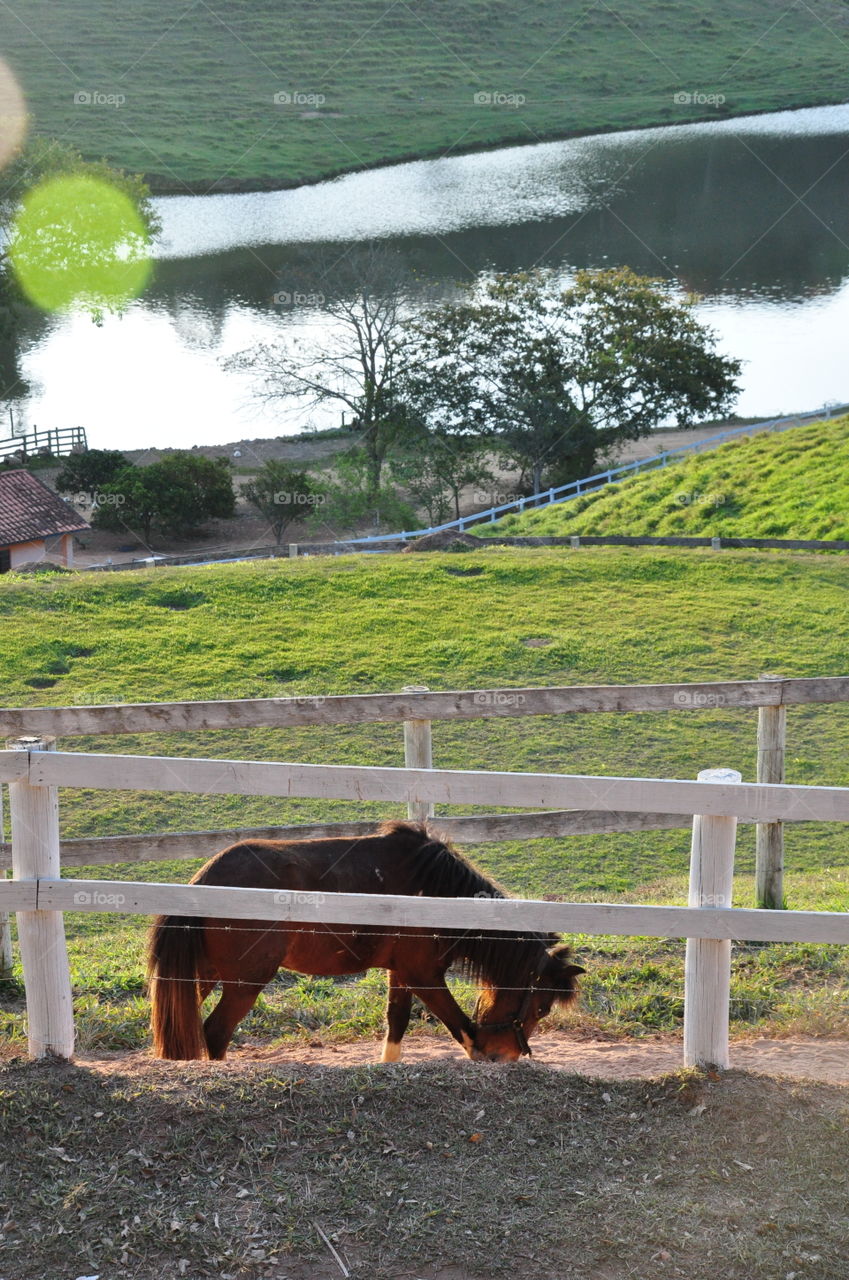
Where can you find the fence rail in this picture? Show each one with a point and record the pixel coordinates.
(368, 708)
(771, 802)
(507, 914)
(483, 829)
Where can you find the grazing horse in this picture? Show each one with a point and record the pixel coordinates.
(521, 977)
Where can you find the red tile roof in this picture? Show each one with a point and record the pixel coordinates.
(29, 510)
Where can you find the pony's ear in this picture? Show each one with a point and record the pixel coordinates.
(559, 971)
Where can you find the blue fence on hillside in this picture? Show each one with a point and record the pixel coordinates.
(575, 488)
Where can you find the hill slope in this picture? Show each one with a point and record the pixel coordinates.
(791, 485)
(187, 92)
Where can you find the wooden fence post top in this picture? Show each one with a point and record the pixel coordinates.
(35, 742)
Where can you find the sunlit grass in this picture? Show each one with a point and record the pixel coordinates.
(362, 624)
(197, 96)
(789, 485)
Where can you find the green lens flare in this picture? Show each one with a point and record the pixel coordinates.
(79, 242)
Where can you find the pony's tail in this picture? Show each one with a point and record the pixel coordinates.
(174, 953)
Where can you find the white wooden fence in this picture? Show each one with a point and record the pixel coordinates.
(34, 772)
(417, 707)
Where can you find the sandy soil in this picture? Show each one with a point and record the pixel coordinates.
(826, 1060)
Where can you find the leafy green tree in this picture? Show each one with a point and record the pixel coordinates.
(283, 495)
(174, 496)
(560, 376)
(87, 472)
(433, 468)
(350, 500)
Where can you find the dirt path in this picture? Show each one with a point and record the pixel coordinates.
(826, 1060)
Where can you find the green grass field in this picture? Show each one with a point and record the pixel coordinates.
(380, 84)
(789, 485)
(368, 624)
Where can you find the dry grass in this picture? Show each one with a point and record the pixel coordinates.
(436, 1170)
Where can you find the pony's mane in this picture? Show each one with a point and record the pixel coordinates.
(437, 870)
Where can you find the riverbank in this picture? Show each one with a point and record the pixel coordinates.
(275, 98)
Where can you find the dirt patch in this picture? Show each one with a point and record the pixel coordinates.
(824, 1060)
(441, 1170)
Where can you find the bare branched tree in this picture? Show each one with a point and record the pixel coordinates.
(364, 292)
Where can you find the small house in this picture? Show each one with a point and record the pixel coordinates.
(35, 524)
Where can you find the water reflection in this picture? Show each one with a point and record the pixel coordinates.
(751, 214)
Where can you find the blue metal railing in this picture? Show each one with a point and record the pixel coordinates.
(575, 488)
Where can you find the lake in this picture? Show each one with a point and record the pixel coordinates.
(752, 214)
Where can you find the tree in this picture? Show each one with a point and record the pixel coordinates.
(561, 375)
(433, 467)
(364, 293)
(87, 472)
(350, 500)
(173, 496)
(282, 495)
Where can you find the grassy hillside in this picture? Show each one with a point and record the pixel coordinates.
(192, 88)
(495, 618)
(790, 485)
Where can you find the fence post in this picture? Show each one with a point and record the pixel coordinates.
(41, 934)
(707, 971)
(418, 754)
(6, 958)
(769, 836)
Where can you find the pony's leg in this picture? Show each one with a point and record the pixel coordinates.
(237, 1000)
(440, 1001)
(398, 1007)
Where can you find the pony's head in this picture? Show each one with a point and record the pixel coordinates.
(506, 1018)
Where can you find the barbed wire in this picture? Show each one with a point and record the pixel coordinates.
(404, 931)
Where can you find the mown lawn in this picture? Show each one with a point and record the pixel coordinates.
(186, 93)
(793, 484)
(368, 624)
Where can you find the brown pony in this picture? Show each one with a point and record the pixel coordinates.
(521, 976)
